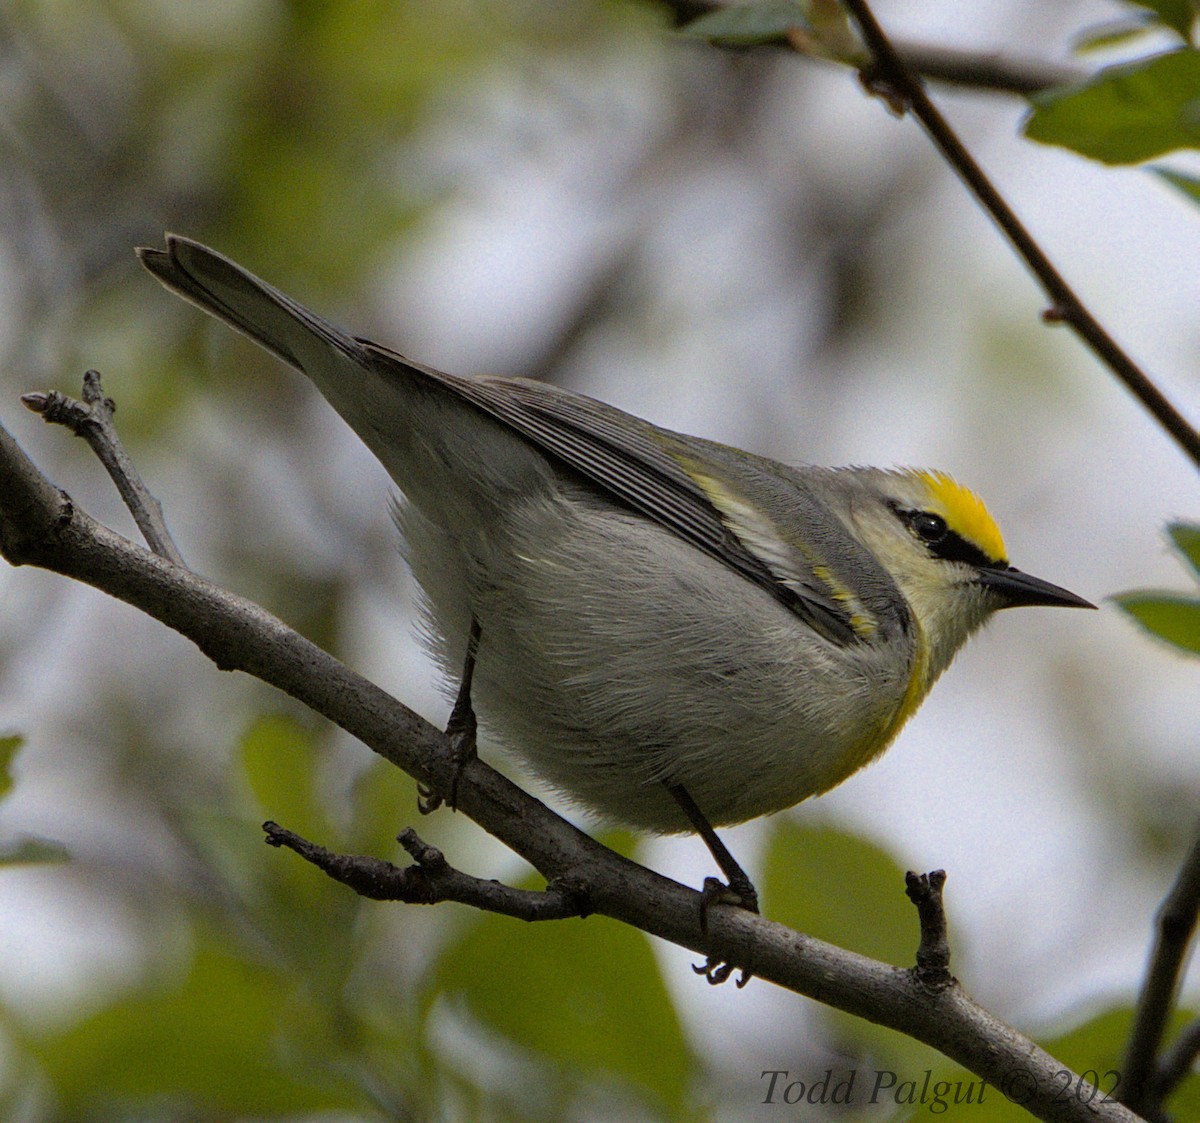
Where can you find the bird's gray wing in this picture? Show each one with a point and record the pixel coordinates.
(690, 487)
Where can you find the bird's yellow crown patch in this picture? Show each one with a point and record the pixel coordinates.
(964, 513)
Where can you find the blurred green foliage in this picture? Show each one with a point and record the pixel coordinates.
(585, 997)
(1178, 15)
(9, 744)
(277, 1001)
(1095, 1050)
(22, 850)
(1172, 617)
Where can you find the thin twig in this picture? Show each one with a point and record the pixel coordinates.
(92, 419)
(1175, 925)
(933, 953)
(985, 72)
(991, 73)
(430, 880)
(889, 77)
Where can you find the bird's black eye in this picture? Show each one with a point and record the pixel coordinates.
(930, 527)
(943, 542)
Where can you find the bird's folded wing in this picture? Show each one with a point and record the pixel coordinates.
(654, 472)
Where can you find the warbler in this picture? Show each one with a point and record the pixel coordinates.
(673, 633)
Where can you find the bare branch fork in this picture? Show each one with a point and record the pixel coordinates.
(92, 419)
(40, 525)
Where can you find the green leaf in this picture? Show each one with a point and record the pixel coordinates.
(1189, 185)
(382, 797)
(1170, 617)
(1178, 15)
(585, 994)
(1124, 114)
(1186, 536)
(1114, 34)
(29, 850)
(748, 25)
(9, 744)
(279, 756)
(839, 888)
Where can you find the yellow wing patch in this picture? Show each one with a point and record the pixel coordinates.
(964, 513)
(762, 537)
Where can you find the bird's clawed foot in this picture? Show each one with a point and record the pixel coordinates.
(462, 731)
(739, 892)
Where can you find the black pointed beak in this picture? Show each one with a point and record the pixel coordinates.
(1015, 589)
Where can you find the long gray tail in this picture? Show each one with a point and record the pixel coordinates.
(415, 419)
(224, 289)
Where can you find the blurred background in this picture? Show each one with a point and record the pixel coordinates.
(739, 245)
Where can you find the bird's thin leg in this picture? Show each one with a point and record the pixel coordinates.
(739, 884)
(739, 889)
(461, 728)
